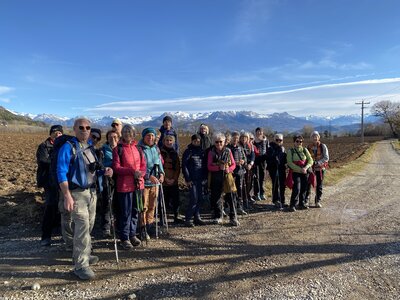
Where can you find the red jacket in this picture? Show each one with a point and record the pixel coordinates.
(131, 160)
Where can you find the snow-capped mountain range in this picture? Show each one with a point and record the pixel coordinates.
(224, 120)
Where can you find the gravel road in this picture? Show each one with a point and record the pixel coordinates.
(348, 249)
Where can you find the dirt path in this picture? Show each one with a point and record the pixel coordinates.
(349, 249)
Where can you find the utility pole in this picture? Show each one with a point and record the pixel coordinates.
(362, 118)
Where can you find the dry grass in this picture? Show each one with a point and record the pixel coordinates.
(335, 175)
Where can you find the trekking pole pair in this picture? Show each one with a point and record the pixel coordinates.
(140, 208)
(164, 217)
(110, 192)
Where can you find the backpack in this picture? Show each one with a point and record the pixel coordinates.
(58, 143)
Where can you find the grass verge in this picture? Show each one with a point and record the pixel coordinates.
(396, 145)
(333, 176)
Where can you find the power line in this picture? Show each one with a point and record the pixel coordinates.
(362, 118)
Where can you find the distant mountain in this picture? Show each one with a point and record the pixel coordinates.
(221, 121)
(8, 116)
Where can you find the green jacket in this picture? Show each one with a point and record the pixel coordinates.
(294, 156)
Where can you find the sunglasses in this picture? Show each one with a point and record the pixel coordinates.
(84, 127)
(95, 137)
(218, 142)
(114, 125)
(278, 140)
(299, 141)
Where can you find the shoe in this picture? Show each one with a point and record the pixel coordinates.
(262, 197)
(292, 208)
(85, 273)
(45, 242)
(278, 205)
(303, 207)
(318, 204)
(225, 212)
(147, 237)
(178, 220)
(235, 222)
(126, 245)
(93, 260)
(199, 222)
(217, 221)
(107, 234)
(135, 241)
(240, 211)
(189, 224)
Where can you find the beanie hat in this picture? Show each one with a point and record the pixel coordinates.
(167, 118)
(148, 130)
(314, 133)
(96, 132)
(196, 137)
(56, 128)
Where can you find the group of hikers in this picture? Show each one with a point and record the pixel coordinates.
(137, 182)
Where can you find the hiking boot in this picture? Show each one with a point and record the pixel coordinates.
(147, 237)
(45, 242)
(126, 245)
(262, 198)
(235, 222)
(135, 241)
(217, 221)
(189, 224)
(85, 273)
(178, 220)
(318, 204)
(278, 205)
(225, 212)
(93, 259)
(199, 222)
(303, 206)
(107, 234)
(292, 209)
(240, 211)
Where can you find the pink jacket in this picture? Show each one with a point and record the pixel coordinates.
(212, 167)
(131, 160)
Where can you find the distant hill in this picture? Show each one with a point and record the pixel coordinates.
(7, 117)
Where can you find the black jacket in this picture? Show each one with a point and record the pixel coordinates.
(43, 158)
(194, 163)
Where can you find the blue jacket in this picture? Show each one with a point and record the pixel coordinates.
(153, 157)
(107, 152)
(194, 163)
(72, 166)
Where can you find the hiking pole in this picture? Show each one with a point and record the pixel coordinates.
(163, 208)
(110, 198)
(139, 205)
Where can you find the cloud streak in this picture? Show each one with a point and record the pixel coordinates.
(327, 99)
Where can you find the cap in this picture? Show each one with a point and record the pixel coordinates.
(56, 128)
(117, 121)
(96, 132)
(278, 136)
(196, 137)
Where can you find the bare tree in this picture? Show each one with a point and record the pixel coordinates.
(307, 130)
(389, 112)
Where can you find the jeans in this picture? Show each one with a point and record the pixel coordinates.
(127, 217)
(196, 199)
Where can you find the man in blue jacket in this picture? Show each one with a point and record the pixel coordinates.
(77, 169)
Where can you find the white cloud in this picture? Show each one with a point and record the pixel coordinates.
(5, 100)
(327, 99)
(5, 90)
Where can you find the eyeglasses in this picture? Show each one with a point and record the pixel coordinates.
(84, 127)
(278, 140)
(218, 142)
(95, 137)
(114, 124)
(299, 141)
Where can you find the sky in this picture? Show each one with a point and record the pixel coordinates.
(142, 58)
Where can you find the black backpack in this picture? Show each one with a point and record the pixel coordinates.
(58, 143)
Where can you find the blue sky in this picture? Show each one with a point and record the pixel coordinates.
(140, 58)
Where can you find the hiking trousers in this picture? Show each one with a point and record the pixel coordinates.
(216, 187)
(83, 215)
(51, 216)
(319, 175)
(195, 201)
(67, 227)
(278, 178)
(150, 195)
(171, 198)
(259, 172)
(127, 217)
(299, 189)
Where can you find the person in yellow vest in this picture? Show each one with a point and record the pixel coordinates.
(320, 154)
